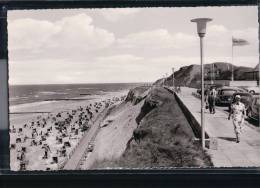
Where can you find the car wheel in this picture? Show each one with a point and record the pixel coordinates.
(252, 92)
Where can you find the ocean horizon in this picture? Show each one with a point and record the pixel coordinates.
(23, 94)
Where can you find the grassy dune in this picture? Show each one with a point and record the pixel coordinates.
(163, 138)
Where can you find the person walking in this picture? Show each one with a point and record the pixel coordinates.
(206, 98)
(212, 100)
(238, 112)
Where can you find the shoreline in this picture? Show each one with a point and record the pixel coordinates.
(64, 107)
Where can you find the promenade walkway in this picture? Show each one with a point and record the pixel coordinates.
(73, 162)
(228, 152)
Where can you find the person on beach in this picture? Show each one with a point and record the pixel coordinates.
(238, 112)
(46, 151)
(212, 100)
(178, 89)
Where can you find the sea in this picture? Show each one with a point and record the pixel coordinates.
(23, 94)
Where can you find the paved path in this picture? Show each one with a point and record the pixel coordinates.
(74, 160)
(229, 153)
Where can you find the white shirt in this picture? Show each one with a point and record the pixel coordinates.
(213, 93)
(238, 110)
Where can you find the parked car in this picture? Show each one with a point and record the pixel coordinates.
(253, 90)
(207, 87)
(246, 99)
(254, 108)
(224, 94)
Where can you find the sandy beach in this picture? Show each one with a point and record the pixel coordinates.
(56, 132)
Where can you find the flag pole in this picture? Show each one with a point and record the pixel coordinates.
(232, 69)
(213, 75)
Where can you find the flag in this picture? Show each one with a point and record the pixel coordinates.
(239, 42)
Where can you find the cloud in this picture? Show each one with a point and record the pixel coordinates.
(28, 33)
(216, 30)
(107, 69)
(223, 35)
(157, 39)
(70, 35)
(114, 15)
(78, 31)
(116, 59)
(75, 50)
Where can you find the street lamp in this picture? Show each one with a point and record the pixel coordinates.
(201, 28)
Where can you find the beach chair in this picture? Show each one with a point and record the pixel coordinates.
(63, 152)
(84, 128)
(60, 141)
(18, 140)
(67, 144)
(25, 138)
(12, 146)
(22, 166)
(55, 160)
(43, 138)
(33, 143)
(24, 149)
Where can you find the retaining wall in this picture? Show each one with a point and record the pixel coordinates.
(195, 125)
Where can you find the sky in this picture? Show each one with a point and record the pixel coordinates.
(124, 44)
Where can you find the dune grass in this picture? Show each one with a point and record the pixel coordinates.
(168, 140)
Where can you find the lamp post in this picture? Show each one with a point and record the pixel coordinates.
(163, 80)
(201, 28)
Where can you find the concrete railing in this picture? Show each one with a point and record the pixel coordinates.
(195, 125)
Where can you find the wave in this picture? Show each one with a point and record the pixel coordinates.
(51, 93)
(17, 98)
(82, 88)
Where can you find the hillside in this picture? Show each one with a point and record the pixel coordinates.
(190, 75)
(163, 137)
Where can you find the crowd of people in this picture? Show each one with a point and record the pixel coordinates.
(47, 141)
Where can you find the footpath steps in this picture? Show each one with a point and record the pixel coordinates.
(228, 152)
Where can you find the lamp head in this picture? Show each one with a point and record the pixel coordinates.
(201, 25)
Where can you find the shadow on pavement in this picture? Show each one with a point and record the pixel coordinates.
(231, 139)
